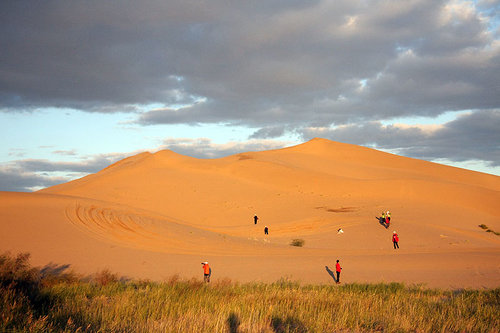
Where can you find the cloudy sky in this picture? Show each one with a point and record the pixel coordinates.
(86, 83)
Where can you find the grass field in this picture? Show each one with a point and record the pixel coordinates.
(33, 300)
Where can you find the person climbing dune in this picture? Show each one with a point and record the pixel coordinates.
(395, 240)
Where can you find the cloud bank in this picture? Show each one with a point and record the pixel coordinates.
(282, 61)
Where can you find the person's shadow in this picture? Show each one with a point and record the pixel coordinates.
(382, 222)
(332, 274)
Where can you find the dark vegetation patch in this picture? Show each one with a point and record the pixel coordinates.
(487, 229)
(297, 242)
(244, 157)
(52, 300)
(339, 210)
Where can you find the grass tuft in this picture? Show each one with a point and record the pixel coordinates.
(105, 277)
(297, 242)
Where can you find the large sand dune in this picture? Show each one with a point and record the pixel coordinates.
(156, 215)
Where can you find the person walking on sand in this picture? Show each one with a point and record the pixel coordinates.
(255, 218)
(266, 230)
(383, 217)
(388, 218)
(207, 271)
(338, 269)
(395, 240)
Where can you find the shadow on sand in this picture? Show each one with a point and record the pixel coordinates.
(52, 269)
(331, 273)
(382, 222)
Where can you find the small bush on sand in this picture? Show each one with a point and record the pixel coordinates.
(297, 242)
(104, 277)
(485, 227)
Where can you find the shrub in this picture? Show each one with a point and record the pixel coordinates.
(16, 274)
(21, 301)
(297, 242)
(104, 277)
(485, 227)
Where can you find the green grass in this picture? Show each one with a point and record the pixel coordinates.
(109, 305)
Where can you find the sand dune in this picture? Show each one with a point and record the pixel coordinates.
(154, 215)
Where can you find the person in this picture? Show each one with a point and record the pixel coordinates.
(255, 218)
(207, 271)
(383, 217)
(395, 240)
(266, 230)
(338, 269)
(388, 217)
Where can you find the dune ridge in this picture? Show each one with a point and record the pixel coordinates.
(156, 214)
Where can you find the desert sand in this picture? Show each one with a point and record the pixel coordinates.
(155, 215)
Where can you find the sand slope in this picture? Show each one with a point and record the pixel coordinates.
(154, 215)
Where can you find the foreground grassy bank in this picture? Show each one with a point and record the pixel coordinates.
(32, 300)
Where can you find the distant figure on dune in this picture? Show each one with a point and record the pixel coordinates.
(383, 217)
(338, 269)
(266, 230)
(388, 218)
(207, 271)
(255, 218)
(395, 240)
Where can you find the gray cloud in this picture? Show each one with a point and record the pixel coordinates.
(258, 65)
(87, 166)
(13, 179)
(268, 132)
(28, 174)
(205, 148)
(470, 137)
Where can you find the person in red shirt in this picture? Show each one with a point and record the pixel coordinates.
(338, 269)
(395, 240)
(207, 271)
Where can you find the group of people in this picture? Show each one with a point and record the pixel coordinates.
(266, 229)
(386, 218)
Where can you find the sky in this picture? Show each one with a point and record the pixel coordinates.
(85, 83)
